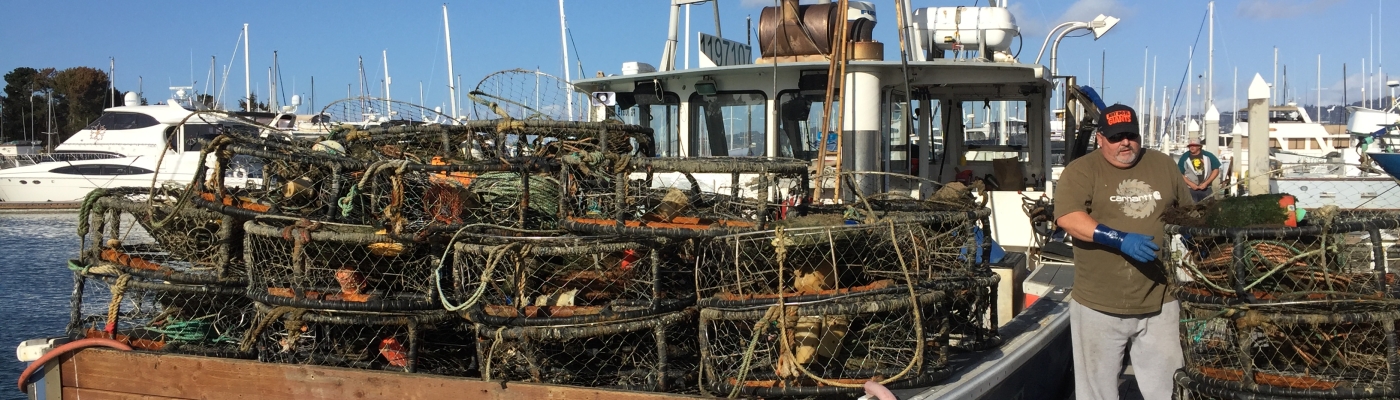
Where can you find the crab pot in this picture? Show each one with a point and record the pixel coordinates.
(310, 264)
(155, 315)
(253, 176)
(517, 281)
(676, 197)
(477, 141)
(825, 347)
(181, 244)
(411, 199)
(1320, 349)
(432, 342)
(656, 353)
(932, 248)
(1344, 260)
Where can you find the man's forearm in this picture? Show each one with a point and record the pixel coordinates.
(1079, 225)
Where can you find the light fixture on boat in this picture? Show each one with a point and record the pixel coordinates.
(1099, 25)
(706, 86)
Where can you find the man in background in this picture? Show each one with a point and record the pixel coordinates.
(1198, 168)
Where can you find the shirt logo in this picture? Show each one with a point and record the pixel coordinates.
(1137, 198)
(1117, 117)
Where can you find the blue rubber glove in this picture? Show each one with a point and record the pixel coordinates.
(1135, 245)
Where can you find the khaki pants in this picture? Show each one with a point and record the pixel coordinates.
(1099, 341)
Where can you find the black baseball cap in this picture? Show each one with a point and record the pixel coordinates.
(1118, 121)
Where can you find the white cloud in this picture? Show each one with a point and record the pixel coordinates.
(1280, 9)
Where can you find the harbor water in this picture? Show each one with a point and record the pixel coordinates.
(34, 282)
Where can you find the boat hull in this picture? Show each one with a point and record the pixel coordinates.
(1389, 162)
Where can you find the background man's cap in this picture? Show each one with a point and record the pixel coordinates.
(1118, 119)
(1194, 142)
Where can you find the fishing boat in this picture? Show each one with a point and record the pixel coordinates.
(821, 96)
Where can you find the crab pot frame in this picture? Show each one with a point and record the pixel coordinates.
(300, 263)
(155, 315)
(182, 244)
(656, 353)
(298, 179)
(516, 281)
(432, 342)
(1342, 261)
(1318, 349)
(930, 248)
(1190, 389)
(832, 345)
(611, 202)
(411, 199)
(476, 141)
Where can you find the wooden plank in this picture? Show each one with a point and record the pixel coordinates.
(168, 375)
(94, 394)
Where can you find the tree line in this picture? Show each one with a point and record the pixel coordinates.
(77, 95)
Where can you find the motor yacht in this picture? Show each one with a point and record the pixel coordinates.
(129, 145)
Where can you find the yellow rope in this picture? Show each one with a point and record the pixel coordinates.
(118, 290)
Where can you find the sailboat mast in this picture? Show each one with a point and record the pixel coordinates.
(247, 71)
(1209, 94)
(387, 82)
(451, 84)
(564, 43)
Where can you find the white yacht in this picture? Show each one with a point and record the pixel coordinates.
(1294, 138)
(142, 144)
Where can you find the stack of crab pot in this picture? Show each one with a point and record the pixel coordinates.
(1288, 312)
(176, 284)
(825, 297)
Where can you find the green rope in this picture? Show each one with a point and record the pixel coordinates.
(347, 203)
(85, 211)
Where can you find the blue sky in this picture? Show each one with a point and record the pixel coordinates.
(170, 42)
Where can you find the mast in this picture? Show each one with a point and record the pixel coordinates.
(1141, 94)
(451, 84)
(1209, 95)
(272, 85)
(387, 82)
(112, 76)
(1273, 84)
(1319, 89)
(564, 44)
(247, 72)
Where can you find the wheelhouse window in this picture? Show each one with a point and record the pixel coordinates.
(662, 114)
(995, 130)
(800, 121)
(116, 120)
(198, 134)
(100, 169)
(728, 124)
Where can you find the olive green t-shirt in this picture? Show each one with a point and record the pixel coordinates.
(1130, 200)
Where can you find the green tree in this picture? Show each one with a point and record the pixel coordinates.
(84, 91)
(205, 101)
(18, 110)
(243, 103)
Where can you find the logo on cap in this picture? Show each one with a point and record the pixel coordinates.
(1118, 117)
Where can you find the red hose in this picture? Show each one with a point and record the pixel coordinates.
(71, 346)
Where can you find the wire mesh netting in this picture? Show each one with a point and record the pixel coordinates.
(681, 197)
(143, 233)
(1315, 349)
(254, 176)
(929, 249)
(525, 94)
(827, 346)
(523, 281)
(412, 199)
(1341, 259)
(656, 353)
(434, 342)
(366, 111)
(157, 315)
(303, 263)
